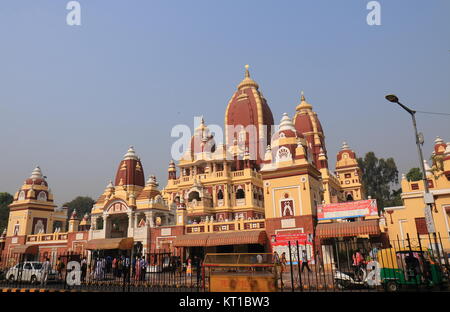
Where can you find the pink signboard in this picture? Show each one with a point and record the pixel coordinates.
(353, 209)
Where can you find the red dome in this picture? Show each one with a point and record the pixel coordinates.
(130, 171)
(248, 107)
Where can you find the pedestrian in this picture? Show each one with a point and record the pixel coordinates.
(137, 269)
(305, 261)
(114, 267)
(259, 261)
(283, 262)
(133, 267)
(83, 269)
(189, 267)
(143, 267)
(60, 267)
(119, 267)
(277, 267)
(45, 270)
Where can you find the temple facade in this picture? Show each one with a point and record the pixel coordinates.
(251, 191)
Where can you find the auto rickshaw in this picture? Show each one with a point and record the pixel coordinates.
(409, 267)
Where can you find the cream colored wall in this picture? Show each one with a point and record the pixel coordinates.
(404, 218)
(298, 191)
(15, 216)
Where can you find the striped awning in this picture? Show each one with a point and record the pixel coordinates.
(342, 229)
(191, 240)
(237, 238)
(110, 243)
(221, 239)
(26, 249)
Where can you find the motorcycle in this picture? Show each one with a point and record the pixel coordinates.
(360, 278)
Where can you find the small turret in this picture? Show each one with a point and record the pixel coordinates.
(74, 222)
(172, 171)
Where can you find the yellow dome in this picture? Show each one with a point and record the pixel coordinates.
(247, 82)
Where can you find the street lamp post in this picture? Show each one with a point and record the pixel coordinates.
(428, 197)
(394, 99)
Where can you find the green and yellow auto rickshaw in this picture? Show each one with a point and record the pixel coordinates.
(409, 267)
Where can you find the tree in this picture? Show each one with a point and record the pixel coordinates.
(380, 179)
(5, 200)
(81, 204)
(414, 174)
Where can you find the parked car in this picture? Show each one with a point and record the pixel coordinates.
(29, 271)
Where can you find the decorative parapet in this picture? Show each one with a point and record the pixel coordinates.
(229, 226)
(45, 238)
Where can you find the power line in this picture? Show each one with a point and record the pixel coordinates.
(433, 113)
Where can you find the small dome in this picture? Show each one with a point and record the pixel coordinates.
(439, 140)
(131, 154)
(202, 140)
(152, 181)
(36, 178)
(286, 130)
(345, 146)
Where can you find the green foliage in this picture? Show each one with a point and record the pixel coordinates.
(414, 174)
(81, 204)
(379, 177)
(5, 200)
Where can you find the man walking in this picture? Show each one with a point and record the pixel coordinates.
(45, 271)
(305, 261)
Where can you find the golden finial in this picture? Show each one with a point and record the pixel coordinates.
(303, 96)
(247, 73)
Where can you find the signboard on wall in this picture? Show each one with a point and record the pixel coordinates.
(353, 209)
(280, 244)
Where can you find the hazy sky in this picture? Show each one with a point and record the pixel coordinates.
(73, 98)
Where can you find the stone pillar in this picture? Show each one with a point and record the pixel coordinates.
(130, 224)
(136, 220)
(149, 219)
(106, 226)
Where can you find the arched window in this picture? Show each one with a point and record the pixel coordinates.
(349, 197)
(22, 195)
(42, 196)
(220, 194)
(240, 193)
(194, 195)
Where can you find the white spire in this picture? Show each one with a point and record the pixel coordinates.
(131, 154)
(37, 173)
(438, 140)
(286, 123)
(345, 146)
(152, 181)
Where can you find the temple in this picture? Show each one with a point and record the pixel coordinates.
(258, 188)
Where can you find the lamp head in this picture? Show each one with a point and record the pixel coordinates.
(392, 98)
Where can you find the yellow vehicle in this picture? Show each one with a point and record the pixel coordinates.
(239, 272)
(409, 267)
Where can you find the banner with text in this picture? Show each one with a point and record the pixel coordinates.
(359, 208)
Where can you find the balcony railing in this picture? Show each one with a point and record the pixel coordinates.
(46, 237)
(227, 226)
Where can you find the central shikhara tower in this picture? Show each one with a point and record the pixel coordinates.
(275, 174)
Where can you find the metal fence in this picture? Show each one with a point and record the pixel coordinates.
(149, 273)
(415, 264)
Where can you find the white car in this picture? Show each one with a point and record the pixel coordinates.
(29, 271)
